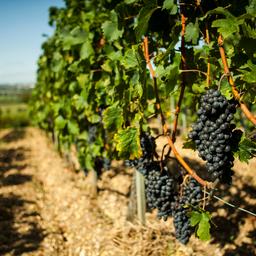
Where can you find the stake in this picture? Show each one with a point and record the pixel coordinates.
(141, 200)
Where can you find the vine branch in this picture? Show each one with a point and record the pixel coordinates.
(193, 70)
(207, 40)
(235, 92)
(152, 72)
(164, 125)
(183, 77)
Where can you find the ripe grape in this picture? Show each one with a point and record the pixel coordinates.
(190, 198)
(213, 132)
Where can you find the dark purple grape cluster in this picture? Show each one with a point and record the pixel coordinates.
(190, 197)
(92, 133)
(212, 133)
(148, 146)
(100, 164)
(160, 190)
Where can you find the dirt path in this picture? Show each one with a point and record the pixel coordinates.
(46, 209)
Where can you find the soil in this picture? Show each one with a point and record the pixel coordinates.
(46, 208)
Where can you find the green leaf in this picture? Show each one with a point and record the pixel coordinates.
(248, 75)
(57, 63)
(251, 8)
(110, 28)
(192, 32)
(106, 66)
(128, 143)
(227, 26)
(60, 122)
(82, 79)
(203, 230)
(86, 50)
(93, 118)
(189, 144)
(130, 1)
(144, 17)
(74, 37)
(113, 117)
(226, 89)
(195, 218)
(73, 127)
(246, 149)
(218, 10)
(171, 6)
(130, 60)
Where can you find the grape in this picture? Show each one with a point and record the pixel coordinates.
(101, 163)
(148, 146)
(190, 198)
(92, 131)
(214, 137)
(160, 189)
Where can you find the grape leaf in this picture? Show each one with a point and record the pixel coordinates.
(192, 32)
(113, 117)
(86, 50)
(225, 89)
(171, 6)
(57, 63)
(248, 76)
(73, 127)
(195, 218)
(74, 37)
(128, 143)
(60, 122)
(189, 144)
(110, 28)
(130, 60)
(203, 230)
(227, 26)
(246, 150)
(144, 17)
(82, 78)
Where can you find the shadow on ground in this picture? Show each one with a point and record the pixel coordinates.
(20, 232)
(13, 135)
(11, 161)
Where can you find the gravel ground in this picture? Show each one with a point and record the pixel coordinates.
(48, 209)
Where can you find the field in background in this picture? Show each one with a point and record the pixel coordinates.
(14, 106)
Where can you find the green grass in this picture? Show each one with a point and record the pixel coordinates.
(14, 115)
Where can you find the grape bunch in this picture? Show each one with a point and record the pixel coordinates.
(212, 133)
(100, 164)
(148, 146)
(92, 133)
(190, 197)
(160, 190)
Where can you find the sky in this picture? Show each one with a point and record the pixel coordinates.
(22, 24)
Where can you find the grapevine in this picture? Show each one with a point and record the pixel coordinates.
(110, 66)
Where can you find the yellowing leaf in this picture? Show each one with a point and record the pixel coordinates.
(128, 143)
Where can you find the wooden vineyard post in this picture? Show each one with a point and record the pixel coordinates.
(132, 205)
(141, 201)
(184, 122)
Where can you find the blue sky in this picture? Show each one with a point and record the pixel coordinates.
(22, 23)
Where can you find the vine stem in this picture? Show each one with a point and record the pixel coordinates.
(164, 125)
(235, 92)
(183, 77)
(193, 70)
(207, 40)
(152, 72)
